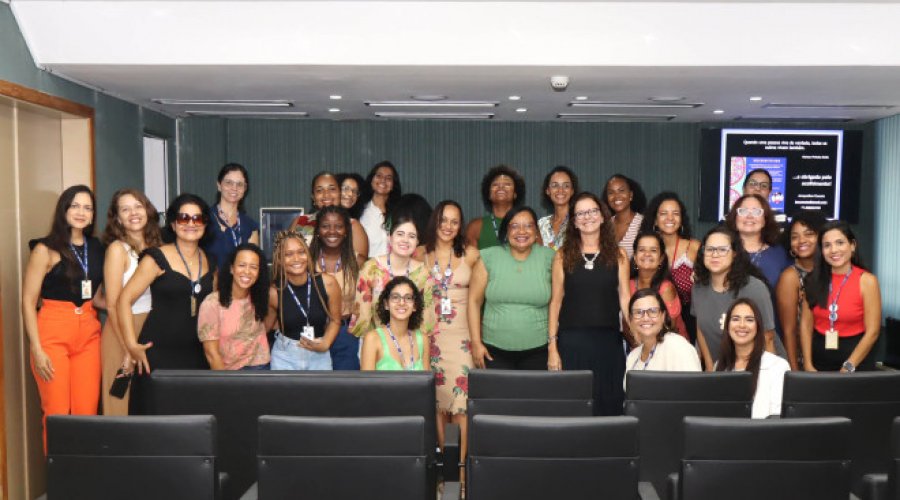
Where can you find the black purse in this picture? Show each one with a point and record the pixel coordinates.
(120, 385)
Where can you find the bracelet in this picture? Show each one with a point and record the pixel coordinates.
(552, 338)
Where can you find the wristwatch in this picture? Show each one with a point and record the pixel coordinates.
(848, 366)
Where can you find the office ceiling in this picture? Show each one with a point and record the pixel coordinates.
(625, 61)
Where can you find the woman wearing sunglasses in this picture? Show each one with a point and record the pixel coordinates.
(661, 347)
(231, 225)
(399, 344)
(753, 219)
(179, 275)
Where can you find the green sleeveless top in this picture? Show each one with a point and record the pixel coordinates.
(388, 363)
(488, 236)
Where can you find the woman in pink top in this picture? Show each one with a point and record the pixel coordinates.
(650, 269)
(233, 320)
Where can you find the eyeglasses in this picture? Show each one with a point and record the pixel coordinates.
(560, 185)
(584, 214)
(396, 298)
(183, 219)
(652, 312)
(234, 184)
(756, 184)
(744, 211)
(716, 251)
(350, 190)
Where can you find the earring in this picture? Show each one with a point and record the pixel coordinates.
(791, 252)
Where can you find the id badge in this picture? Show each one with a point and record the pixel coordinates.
(308, 333)
(446, 306)
(86, 289)
(831, 339)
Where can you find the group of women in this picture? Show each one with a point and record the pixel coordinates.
(369, 280)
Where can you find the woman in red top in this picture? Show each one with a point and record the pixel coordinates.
(841, 317)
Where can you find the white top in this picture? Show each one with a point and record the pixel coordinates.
(372, 221)
(769, 386)
(631, 233)
(143, 304)
(673, 354)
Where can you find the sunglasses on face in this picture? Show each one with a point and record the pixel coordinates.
(183, 219)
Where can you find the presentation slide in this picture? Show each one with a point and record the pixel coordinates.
(805, 166)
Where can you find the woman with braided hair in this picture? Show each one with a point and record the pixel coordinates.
(307, 307)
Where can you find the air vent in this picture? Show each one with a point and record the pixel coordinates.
(781, 119)
(434, 116)
(432, 104)
(616, 117)
(225, 103)
(782, 105)
(635, 105)
(259, 114)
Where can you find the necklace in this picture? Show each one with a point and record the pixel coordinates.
(195, 285)
(391, 270)
(589, 264)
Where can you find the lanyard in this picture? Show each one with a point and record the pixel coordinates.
(412, 349)
(297, 301)
(833, 306)
(494, 223)
(195, 285)
(82, 263)
(235, 231)
(652, 352)
(337, 265)
(755, 256)
(391, 270)
(443, 280)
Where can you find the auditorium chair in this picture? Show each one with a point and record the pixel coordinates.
(239, 398)
(772, 459)
(530, 393)
(572, 458)
(96, 457)
(316, 458)
(871, 400)
(885, 486)
(661, 400)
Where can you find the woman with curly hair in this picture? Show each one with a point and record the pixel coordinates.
(132, 226)
(589, 282)
(667, 216)
(502, 188)
(400, 308)
(724, 274)
(231, 324)
(626, 199)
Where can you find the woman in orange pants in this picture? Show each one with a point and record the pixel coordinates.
(64, 271)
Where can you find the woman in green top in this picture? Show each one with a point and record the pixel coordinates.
(512, 281)
(502, 189)
(399, 344)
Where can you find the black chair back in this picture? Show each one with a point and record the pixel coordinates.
(530, 393)
(871, 400)
(377, 458)
(238, 399)
(744, 459)
(661, 400)
(90, 457)
(515, 458)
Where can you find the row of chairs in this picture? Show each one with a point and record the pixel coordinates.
(511, 458)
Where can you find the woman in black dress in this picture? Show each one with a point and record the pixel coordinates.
(180, 276)
(589, 283)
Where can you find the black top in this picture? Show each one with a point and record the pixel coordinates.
(591, 297)
(294, 320)
(58, 286)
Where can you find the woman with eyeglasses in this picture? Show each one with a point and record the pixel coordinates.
(660, 348)
(231, 224)
(559, 187)
(512, 282)
(399, 344)
(743, 349)
(351, 189)
(132, 226)
(180, 275)
(380, 193)
(589, 276)
(841, 317)
(759, 182)
(64, 272)
(306, 305)
(650, 269)
(723, 275)
(378, 271)
(626, 199)
(753, 219)
(326, 193)
(801, 238)
(332, 253)
(502, 189)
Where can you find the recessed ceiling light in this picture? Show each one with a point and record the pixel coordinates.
(581, 98)
(429, 97)
(666, 98)
(438, 104)
(521, 110)
(334, 110)
(756, 98)
(718, 111)
(265, 103)
(514, 98)
(335, 97)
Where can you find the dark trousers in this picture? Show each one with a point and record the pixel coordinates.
(529, 359)
(830, 360)
(345, 351)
